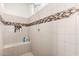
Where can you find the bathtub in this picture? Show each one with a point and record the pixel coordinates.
(16, 49)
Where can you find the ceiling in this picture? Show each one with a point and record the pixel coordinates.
(21, 9)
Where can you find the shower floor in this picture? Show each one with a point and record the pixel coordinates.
(28, 54)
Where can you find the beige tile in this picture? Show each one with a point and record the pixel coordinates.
(28, 54)
(70, 49)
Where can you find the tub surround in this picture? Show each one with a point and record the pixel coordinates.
(13, 45)
(16, 49)
(55, 38)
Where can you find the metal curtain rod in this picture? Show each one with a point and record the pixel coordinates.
(55, 17)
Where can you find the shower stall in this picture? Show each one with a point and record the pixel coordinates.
(52, 31)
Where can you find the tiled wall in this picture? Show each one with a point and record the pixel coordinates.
(56, 37)
(17, 50)
(16, 37)
(1, 41)
(8, 34)
(13, 18)
(9, 37)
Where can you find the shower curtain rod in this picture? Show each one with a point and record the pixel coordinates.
(55, 17)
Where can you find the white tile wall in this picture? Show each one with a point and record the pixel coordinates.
(60, 44)
(69, 49)
(62, 36)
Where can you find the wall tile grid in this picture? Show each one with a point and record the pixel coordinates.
(55, 17)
